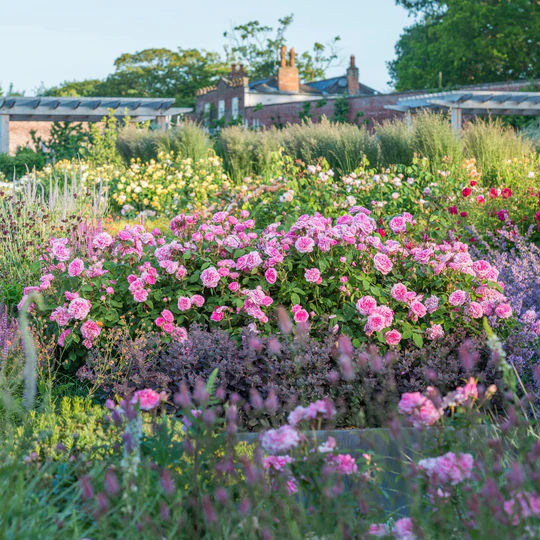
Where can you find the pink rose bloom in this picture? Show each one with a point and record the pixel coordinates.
(90, 330)
(109, 290)
(375, 323)
(399, 292)
(60, 250)
(140, 295)
(184, 303)
(234, 286)
(102, 240)
(61, 316)
(379, 530)
(210, 277)
(366, 305)
(168, 327)
(76, 267)
(343, 464)
(503, 311)
(432, 304)
(167, 316)
(147, 399)
(277, 463)
(296, 308)
(197, 300)
(313, 275)
(434, 332)
(458, 298)
(448, 469)
(386, 313)
(382, 263)
(474, 310)
(79, 308)
(63, 336)
(322, 408)
(398, 225)
(481, 268)
(304, 244)
(301, 316)
(403, 529)
(417, 308)
(411, 401)
(181, 272)
(217, 316)
(271, 276)
(393, 337)
(281, 440)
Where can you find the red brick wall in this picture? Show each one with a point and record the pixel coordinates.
(19, 133)
(223, 92)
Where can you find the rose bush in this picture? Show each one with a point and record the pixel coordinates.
(339, 274)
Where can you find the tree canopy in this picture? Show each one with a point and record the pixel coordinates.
(468, 42)
(178, 74)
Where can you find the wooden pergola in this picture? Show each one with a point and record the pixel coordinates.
(476, 102)
(75, 109)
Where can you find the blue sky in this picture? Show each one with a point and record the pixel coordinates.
(49, 42)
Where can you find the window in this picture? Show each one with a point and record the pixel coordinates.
(234, 107)
(206, 109)
(221, 109)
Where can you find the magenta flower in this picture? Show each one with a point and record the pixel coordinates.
(281, 440)
(147, 399)
(184, 303)
(313, 275)
(382, 263)
(366, 305)
(79, 308)
(210, 277)
(76, 267)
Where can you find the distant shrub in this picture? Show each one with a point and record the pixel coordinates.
(24, 161)
(188, 140)
(491, 143)
(395, 142)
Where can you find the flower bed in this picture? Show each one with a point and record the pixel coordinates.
(338, 275)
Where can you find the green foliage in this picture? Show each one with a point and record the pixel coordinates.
(101, 148)
(153, 73)
(454, 37)
(395, 142)
(140, 142)
(491, 143)
(258, 47)
(341, 109)
(65, 140)
(305, 113)
(24, 161)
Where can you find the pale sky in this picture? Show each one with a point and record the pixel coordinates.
(50, 41)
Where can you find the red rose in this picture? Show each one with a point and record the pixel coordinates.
(466, 192)
(453, 210)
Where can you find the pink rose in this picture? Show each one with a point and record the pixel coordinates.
(197, 300)
(301, 316)
(417, 309)
(399, 292)
(102, 240)
(184, 303)
(217, 316)
(379, 530)
(435, 332)
(403, 529)
(271, 275)
(458, 298)
(366, 305)
(60, 249)
(79, 308)
(63, 336)
(503, 311)
(343, 464)
(76, 267)
(147, 399)
(474, 310)
(375, 323)
(382, 263)
(304, 244)
(140, 295)
(393, 337)
(210, 277)
(313, 275)
(90, 330)
(278, 441)
(234, 286)
(398, 225)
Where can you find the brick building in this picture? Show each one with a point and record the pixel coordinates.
(283, 99)
(236, 98)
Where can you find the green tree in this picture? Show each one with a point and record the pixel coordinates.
(468, 42)
(153, 73)
(258, 47)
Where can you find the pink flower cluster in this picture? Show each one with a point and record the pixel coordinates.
(322, 409)
(447, 470)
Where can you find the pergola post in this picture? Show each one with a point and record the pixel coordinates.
(457, 119)
(4, 133)
(162, 122)
(409, 120)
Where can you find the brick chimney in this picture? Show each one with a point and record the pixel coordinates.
(353, 85)
(237, 71)
(288, 78)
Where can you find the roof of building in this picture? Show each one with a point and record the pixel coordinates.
(270, 86)
(325, 87)
(474, 102)
(338, 85)
(81, 109)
